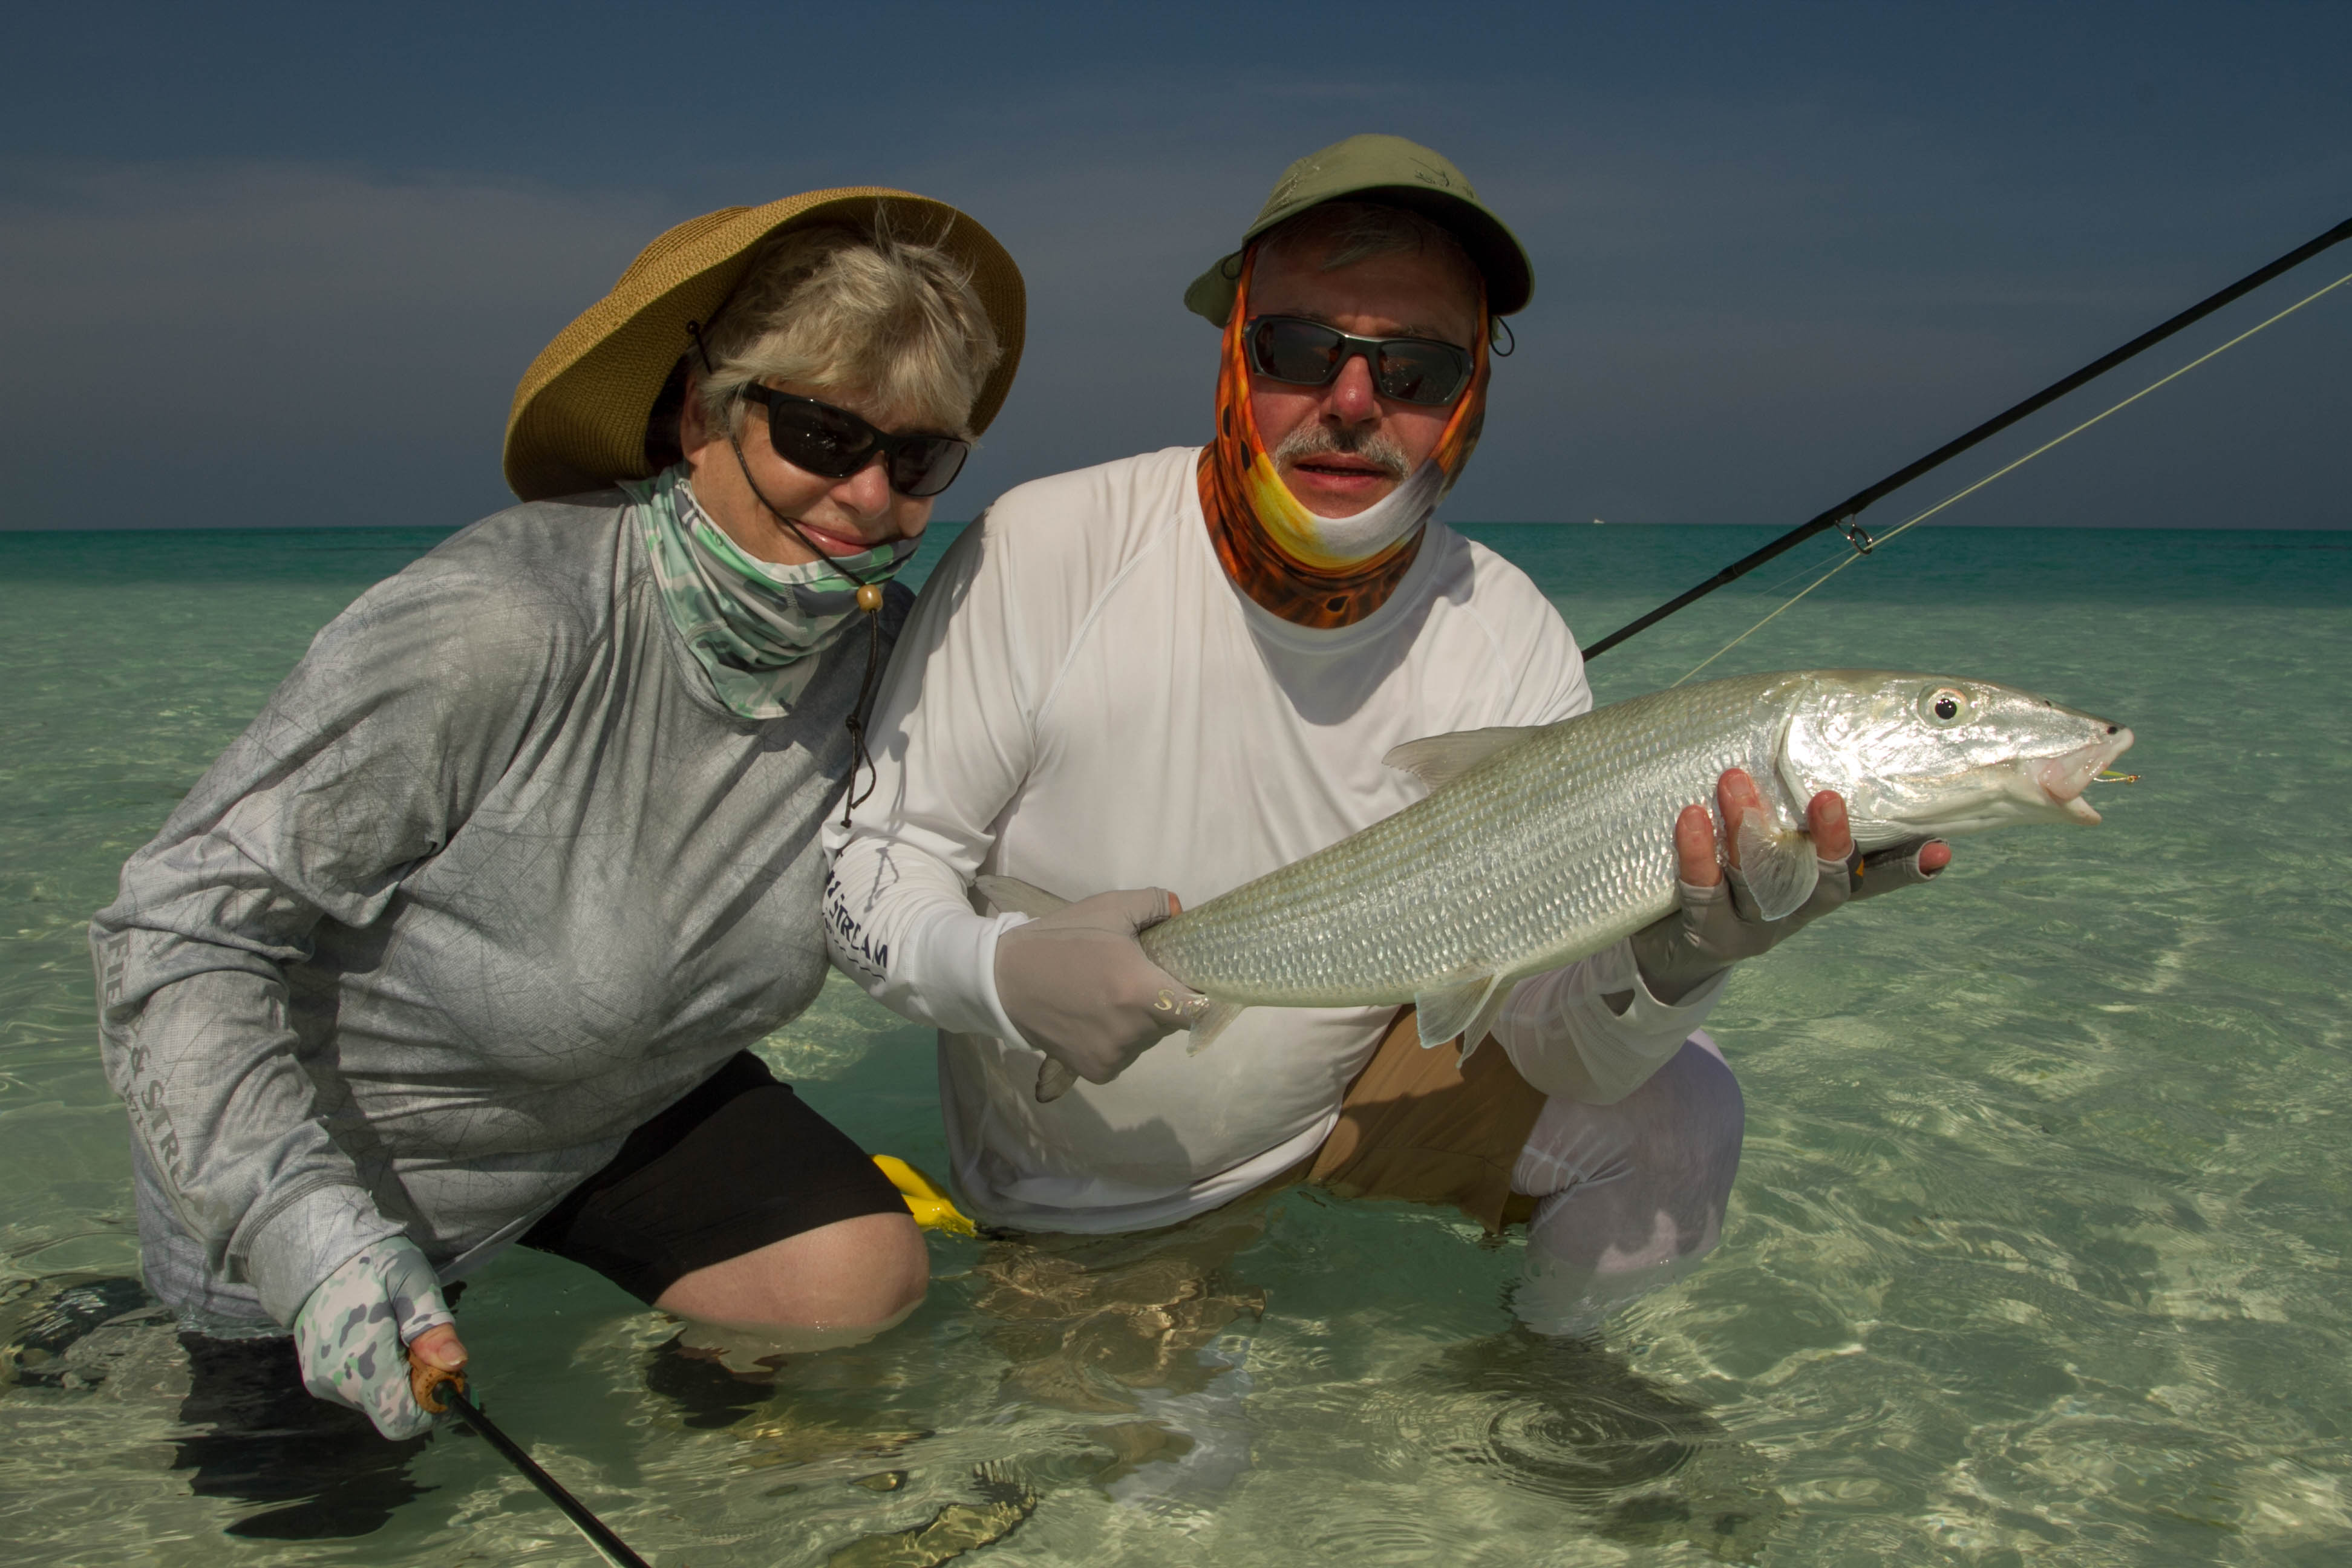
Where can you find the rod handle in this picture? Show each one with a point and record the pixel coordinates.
(427, 1381)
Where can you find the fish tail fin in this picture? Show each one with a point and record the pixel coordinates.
(1210, 1024)
(1055, 1079)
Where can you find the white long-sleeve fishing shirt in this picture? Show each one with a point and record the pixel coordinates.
(1083, 699)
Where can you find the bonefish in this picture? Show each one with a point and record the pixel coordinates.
(1539, 846)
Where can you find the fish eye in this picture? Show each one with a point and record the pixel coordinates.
(1943, 705)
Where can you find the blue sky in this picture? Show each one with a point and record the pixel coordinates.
(282, 264)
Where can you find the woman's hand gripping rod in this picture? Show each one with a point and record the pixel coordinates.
(440, 1391)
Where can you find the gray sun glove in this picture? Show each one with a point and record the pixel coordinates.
(353, 1333)
(1078, 986)
(1716, 927)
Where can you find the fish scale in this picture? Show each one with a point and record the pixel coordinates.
(1539, 846)
(1550, 851)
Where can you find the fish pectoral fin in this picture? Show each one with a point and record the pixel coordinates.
(1212, 1023)
(1444, 1010)
(1438, 760)
(1778, 864)
(1014, 895)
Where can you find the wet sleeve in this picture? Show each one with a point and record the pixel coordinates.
(1589, 1030)
(1564, 1031)
(953, 739)
(363, 762)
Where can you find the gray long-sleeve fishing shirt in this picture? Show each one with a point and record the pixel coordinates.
(493, 878)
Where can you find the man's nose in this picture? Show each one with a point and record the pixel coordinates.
(1353, 399)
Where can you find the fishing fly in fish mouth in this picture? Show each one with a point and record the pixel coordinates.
(1916, 755)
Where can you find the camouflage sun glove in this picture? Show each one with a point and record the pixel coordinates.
(1716, 927)
(1896, 865)
(352, 1334)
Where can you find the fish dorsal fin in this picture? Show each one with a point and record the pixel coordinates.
(1438, 760)
(1014, 895)
(1778, 864)
(1444, 1010)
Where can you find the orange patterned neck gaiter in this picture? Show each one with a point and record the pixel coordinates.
(1310, 569)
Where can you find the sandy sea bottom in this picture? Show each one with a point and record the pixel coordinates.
(2036, 1251)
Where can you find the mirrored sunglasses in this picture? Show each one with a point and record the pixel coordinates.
(1309, 353)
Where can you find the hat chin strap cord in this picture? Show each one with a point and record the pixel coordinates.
(869, 602)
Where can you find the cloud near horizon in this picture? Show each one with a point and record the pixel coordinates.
(228, 343)
(1761, 284)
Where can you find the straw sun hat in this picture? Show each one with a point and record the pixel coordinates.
(579, 417)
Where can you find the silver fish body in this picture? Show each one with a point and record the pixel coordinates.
(1541, 845)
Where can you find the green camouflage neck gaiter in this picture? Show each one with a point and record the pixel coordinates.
(755, 628)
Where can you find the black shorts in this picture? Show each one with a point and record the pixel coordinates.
(739, 1163)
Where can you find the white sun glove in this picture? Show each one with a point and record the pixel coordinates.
(353, 1331)
(1078, 986)
(1716, 927)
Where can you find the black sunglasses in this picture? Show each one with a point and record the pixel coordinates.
(835, 443)
(1309, 353)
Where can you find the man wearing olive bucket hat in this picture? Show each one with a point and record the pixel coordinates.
(1180, 671)
(465, 941)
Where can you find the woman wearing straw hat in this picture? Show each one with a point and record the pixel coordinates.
(463, 943)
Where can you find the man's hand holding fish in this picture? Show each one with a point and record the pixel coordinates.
(1716, 927)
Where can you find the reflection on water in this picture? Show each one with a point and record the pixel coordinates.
(1571, 1420)
(2036, 1251)
(1087, 1323)
(250, 1434)
(960, 1527)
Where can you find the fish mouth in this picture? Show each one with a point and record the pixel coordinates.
(2064, 778)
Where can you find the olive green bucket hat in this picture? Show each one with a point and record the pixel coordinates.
(578, 422)
(1398, 172)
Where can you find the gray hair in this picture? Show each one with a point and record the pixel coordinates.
(1337, 235)
(857, 311)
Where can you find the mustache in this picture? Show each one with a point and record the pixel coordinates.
(1319, 440)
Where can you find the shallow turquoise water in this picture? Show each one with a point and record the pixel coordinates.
(2037, 1249)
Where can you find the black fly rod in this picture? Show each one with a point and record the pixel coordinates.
(1843, 514)
(432, 1387)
